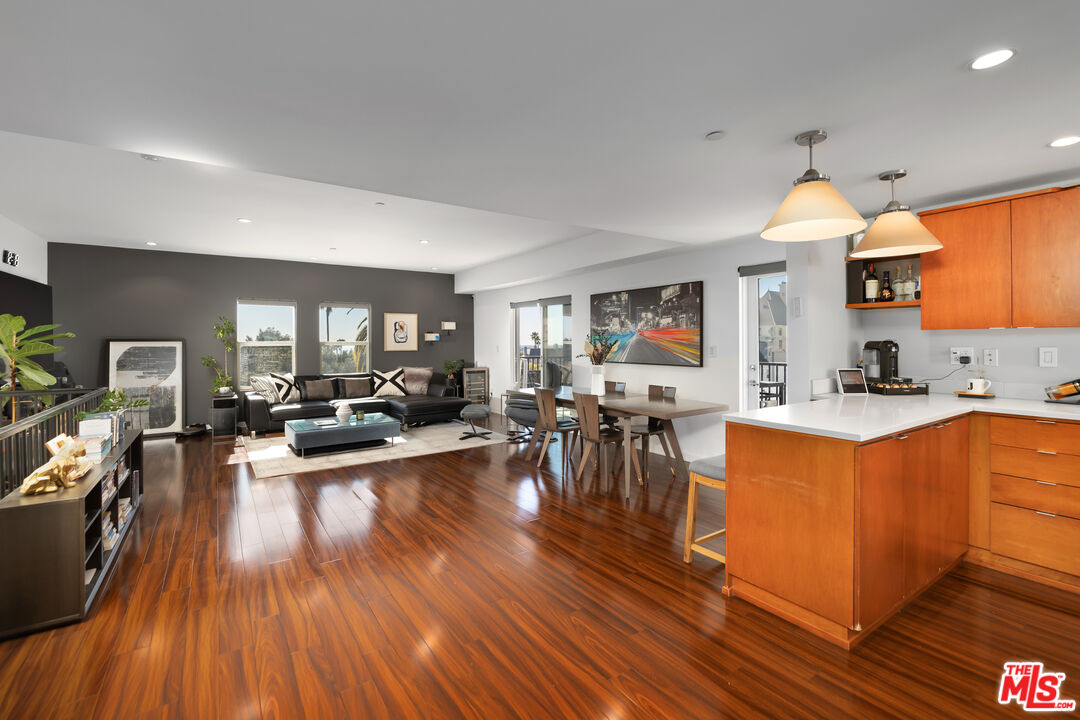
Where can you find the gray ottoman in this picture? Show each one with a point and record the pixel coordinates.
(474, 412)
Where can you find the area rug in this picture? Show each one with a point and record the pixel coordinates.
(271, 456)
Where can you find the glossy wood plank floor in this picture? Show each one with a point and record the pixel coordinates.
(471, 584)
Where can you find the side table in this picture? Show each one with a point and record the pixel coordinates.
(223, 414)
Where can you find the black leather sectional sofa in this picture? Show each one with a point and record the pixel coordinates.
(438, 404)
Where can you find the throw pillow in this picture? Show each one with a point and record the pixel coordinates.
(389, 384)
(356, 387)
(417, 380)
(262, 385)
(319, 389)
(287, 388)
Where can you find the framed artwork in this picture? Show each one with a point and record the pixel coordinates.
(399, 331)
(652, 326)
(151, 370)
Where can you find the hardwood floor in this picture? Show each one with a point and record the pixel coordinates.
(472, 584)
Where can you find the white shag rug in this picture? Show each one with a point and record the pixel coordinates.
(272, 456)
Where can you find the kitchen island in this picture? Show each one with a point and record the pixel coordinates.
(841, 511)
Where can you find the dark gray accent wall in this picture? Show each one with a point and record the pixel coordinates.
(102, 292)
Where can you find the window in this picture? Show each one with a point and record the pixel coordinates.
(343, 338)
(266, 338)
(543, 341)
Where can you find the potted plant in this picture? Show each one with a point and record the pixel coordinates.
(17, 346)
(452, 368)
(598, 346)
(225, 331)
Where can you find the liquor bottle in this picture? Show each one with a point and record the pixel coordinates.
(910, 294)
(898, 285)
(918, 288)
(887, 294)
(871, 285)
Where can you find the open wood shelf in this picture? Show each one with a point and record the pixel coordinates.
(894, 305)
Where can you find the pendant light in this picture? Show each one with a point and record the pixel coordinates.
(896, 231)
(814, 209)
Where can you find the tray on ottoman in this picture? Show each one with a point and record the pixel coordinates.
(327, 435)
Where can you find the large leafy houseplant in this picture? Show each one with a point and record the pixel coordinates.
(17, 346)
(225, 331)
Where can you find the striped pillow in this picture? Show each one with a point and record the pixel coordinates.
(262, 385)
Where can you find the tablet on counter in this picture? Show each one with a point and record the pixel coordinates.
(851, 381)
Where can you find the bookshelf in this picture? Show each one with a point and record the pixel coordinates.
(60, 548)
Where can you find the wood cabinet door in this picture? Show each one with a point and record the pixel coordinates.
(954, 487)
(880, 477)
(1046, 260)
(968, 283)
(923, 544)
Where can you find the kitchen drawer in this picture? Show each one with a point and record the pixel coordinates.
(1036, 495)
(1047, 540)
(1035, 464)
(1060, 437)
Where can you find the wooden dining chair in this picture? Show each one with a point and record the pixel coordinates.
(549, 423)
(595, 437)
(614, 386)
(655, 427)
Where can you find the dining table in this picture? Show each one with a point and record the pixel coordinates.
(626, 406)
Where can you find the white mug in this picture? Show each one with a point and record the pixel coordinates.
(978, 385)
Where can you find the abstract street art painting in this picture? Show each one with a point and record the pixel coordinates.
(151, 370)
(399, 331)
(652, 326)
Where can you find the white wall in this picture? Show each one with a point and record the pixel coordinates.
(717, 381)
(32, 251)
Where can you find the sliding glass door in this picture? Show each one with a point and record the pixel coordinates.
(542, 331)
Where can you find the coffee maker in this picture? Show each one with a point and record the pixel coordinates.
(881, 361)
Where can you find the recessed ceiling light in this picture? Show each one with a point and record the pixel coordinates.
(716, 135)
(151, 243)
(332, 248)
(424, 242)
(434, 268)
(379, 204)
(1065, 141)
(151, 158)
(244, 220)
(313, 258)
(992, 59)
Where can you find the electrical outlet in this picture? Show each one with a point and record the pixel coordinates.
(990, 357)
(713, 351)
(961, 352)
(1048, 357)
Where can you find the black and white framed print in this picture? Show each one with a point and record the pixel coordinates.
(151, 370)
(399, 331)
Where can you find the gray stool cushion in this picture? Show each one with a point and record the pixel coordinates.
(475, 412)
(710, 467)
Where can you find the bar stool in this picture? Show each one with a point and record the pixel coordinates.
(709, 472)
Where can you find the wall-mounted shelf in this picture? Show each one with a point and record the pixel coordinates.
(878, 261)
(894, 305)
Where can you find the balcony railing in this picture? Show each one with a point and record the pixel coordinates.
(22, 443)
(772, 384)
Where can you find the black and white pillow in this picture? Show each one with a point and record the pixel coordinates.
(262, 385)
(288, 389)
(388, 384)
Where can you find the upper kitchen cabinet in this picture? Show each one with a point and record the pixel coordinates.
(968, 283)
(1045, 260)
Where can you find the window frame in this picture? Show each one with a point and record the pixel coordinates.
(335, 343)
(240, 344)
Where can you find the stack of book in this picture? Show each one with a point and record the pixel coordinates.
(108, 532)
(124, 510)
(97, 431)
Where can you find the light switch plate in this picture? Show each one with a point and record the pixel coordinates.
(990, 357)
(713, 351)
(1048, 357)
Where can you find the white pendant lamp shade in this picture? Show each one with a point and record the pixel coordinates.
(896, 231)
(814, 209)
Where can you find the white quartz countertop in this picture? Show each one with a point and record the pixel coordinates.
(862, 418)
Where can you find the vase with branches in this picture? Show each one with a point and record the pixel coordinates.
(225, 331)
(598, 347)
(17, 346)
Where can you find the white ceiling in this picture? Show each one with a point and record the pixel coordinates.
(580, 114)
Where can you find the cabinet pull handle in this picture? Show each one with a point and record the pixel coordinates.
(1046, 452)
(901, 437)
(1040, 512)
(1043, 482)
(1046, 422)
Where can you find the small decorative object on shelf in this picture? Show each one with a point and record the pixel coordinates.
(68, 464)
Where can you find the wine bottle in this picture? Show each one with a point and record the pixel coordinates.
(887, 294)
(871, 285)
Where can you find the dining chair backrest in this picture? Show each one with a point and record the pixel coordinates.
(615, 386)
(656, 392)
(669, 392)
(547, 418)
(609, 386)
(588, 412)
